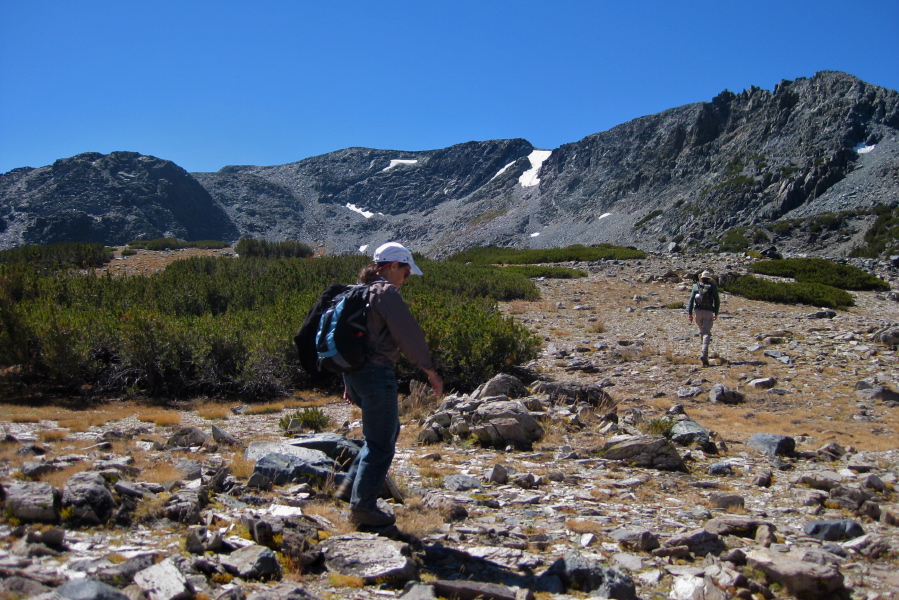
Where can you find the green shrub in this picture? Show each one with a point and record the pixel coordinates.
(648, 218)
(734, 240)
(882, 238)
(159, 244)
(252, 248)
(819, 270)
(224, 327)
(60, 255)
(493, 255)
(311, 417)
(533, 271)
(814, 294)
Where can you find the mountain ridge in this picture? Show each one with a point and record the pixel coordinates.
(684, 176)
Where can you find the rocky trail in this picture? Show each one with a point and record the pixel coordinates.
(775, 479)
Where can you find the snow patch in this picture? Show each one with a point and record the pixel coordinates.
(364, 213)
(535, 234)
(862, 148)
(399, 161)
(604, 215)
(363, 248)
(537, 157)
(503, 170)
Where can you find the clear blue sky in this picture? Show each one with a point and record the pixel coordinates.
(213, 83)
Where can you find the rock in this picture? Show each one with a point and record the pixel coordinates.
(773, 444)
(834, 530)
(652, 451)
(879, 393)
(584, 574)
(501, 385)
(727, 501)
(689, 432)
(337, 447)
(284, 463)
(370, 557)
(723, 394)
(635, 539)
(505, 423)
(187, 437)
(762, 383)
(33, 502)
(498, 475)
(89, 589)
(123, 574)
(252, 562)
(461, 483)
(569, 392)
(805, 580)
(163, 581)
(475, 589)
(223, 437)
(738, 525)
(699, 541)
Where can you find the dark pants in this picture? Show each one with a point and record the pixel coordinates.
(373, 388)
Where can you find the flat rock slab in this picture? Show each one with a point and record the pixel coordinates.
(369, 556)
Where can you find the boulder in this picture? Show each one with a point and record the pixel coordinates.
(505, 423)
(805, 580)
(187, 437)
(501, 385)
(163, 581)
(650, 451)
(773, 444)
(33, 502)
(720, 393)
(371, 557)
(587, 575)
(252, 562)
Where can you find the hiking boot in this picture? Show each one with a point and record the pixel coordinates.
(344, 491)
(372, 517)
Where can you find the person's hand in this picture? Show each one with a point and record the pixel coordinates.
(436, 382)
(714, 317)
(346, 396)
(690, 318)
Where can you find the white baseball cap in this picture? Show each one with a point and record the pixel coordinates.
(394, 252)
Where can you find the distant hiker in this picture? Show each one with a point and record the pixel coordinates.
(391, 329)
(704, 301)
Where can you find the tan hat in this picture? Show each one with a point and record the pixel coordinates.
(706, 275)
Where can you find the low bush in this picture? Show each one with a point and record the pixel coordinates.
(534, 271)
(224, 327)
(493, 255)
(882, 238)
(814, 294)
(311, 417)
(160, 244)
(734, 240)
(249, 247)
(819, 270)
(62, 255)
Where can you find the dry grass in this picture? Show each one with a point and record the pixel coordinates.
(580, 526)
(241, 467)
(161, 472)
(52, 435)
(339, 580)
(213, 411)
(163, 418)
(419, 520)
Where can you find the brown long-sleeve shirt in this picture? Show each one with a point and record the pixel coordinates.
(392, 329)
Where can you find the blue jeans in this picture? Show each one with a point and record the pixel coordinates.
(373, 388)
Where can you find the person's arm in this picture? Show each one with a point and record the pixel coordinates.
(690, 305)
(407, 334)
(716, 299)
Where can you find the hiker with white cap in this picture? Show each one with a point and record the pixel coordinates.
(391, 329)
(704, 302)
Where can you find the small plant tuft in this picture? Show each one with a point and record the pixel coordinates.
(311, 417)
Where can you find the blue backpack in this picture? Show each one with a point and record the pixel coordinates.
(334, 336)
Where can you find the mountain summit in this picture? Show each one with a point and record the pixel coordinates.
(826, 144)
